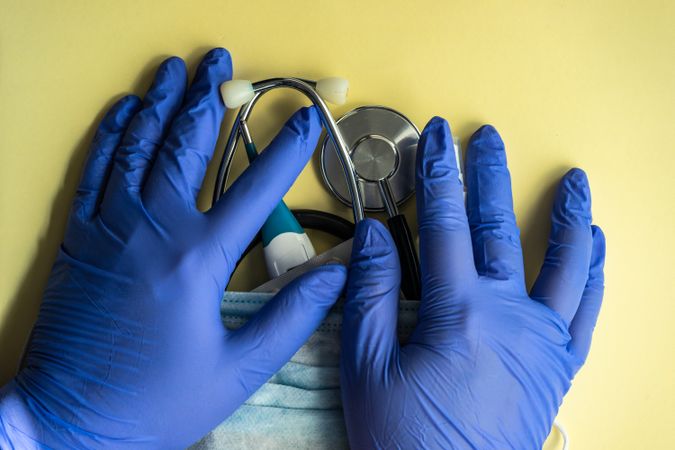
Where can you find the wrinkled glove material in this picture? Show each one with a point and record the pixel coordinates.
(488, 364)
(128, 350)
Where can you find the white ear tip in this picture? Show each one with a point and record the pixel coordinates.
(236, 92)
(333, 89)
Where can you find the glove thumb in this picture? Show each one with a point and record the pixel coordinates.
(369, 341)
(278, 330)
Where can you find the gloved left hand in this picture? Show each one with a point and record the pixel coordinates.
(129, 350)
(488, 363)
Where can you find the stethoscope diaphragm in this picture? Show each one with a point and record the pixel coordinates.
(382, 144)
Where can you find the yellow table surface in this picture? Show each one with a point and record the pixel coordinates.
(588, 84)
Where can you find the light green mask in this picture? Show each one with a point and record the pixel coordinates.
(300, 406)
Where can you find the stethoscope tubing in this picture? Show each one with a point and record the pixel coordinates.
(307, 88)
(320, 220)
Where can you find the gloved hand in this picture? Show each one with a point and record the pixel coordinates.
(129, 350)
(487, 365)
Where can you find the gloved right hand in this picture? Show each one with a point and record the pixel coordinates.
(129, 350)
(488, 364)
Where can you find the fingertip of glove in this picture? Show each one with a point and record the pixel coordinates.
(309, 114)
(218, 54)
(436, 121)
(323, 284)
(576, 177)
(575, 182)
(305, 123)
(486, 146)
(219, 64)
(437, 127)
(333, 274)
(174, 70)
(371, 238)
(574, 197)
(169, 83)
(127, 105)
(120, 113)
(172, 63)
(599, 246)
(435, 155)
(129, 101)
(486, 130)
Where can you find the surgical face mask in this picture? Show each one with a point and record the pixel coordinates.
(300, 406)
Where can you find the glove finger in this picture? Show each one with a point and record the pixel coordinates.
(134, 157)
(96, 169)
(563, 276)
(496, 240)
(245, 206)
(267, 341)
(369, 340)
(188, 148)
(583, 324)
(445, 240)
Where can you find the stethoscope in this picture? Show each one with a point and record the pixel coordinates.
(367, 162)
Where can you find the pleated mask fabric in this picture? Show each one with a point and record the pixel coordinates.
(300, 406)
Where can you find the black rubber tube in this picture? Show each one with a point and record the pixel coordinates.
(407, 255)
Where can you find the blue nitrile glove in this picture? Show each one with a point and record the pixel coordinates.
(129, 350)
(487, 365)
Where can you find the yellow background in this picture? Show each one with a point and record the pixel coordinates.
(586, 83)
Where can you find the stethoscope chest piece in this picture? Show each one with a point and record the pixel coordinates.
(382, 145)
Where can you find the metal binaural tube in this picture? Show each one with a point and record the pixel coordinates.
(387, 197)
(307, 88)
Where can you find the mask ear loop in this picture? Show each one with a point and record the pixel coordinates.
(309, 89)
(563, 434)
